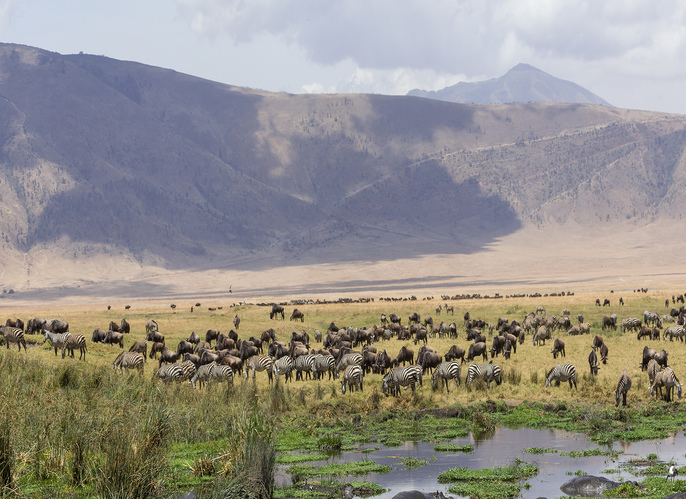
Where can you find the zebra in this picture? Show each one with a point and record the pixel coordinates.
(14, 335)
(623, 387)
(169, 373)
(129, 360)
(487, 372)
(352, 377)
(670, 381)
(202, 375)
(630, 324)
(653, 369)
(188, 368)
(324, 363)
(73, 342)
(304, 363)
(445, 371)
(401, 376)
(283, 365)
(57, 340)
(650, 318)
(259, 363)
(673, 331)
(349, 359)
(220, 372)
(561, 372)
(593, 362)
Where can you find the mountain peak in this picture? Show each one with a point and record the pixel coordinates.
(522, 83)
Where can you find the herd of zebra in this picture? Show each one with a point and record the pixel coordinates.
(198, 363)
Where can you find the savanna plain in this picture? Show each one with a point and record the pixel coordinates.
(78, 428)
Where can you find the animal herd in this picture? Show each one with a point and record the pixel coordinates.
(350, 353)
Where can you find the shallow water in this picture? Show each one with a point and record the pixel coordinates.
(501, 450)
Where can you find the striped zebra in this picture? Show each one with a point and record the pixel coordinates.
(670, 382)
(651, 318)
(323, 364)
(487, 372)
(304, 363)
(623, 387)
(401, 376)
(57, 340)
(129, 360)
(653, 369)
(673, 331)
(446, 371)
(259, 363)
(188, 368)
(285, 366)
(352, 377)
(561, 372)
(630, 324)
(220, 372)
(14, 335)
(73, 342)
(349, 359)
(169, 373)
(202, 375)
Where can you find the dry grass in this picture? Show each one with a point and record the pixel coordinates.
(528, 363)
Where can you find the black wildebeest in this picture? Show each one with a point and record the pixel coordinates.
(297, 315)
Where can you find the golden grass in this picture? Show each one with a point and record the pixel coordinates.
(529, 363)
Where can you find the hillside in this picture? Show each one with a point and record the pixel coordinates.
(523, 83)
(117, 172)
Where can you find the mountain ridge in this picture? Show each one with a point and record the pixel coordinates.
(523, 83)
(113, 167)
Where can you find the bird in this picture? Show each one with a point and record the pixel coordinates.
(672, 472)
(230, 290)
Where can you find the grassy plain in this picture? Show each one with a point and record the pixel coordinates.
(70, 418)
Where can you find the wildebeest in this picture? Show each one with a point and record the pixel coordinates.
(542, 334)
(194, 338)
(168, 356)
(125, 327)
(413, 318)
(57, 326)
(268, 336)
(155, 336)
(154, 348)
(405, 355)
(606, 302)
(603, 353)
(150, 325)
(98, 335)
(476, 349)
(236, 321)
(140, 347)
(394, 319)
(455, 353)
(276, 311)
(297, 315)
(558, 348)
(18, 323)
(114, 338)
(211, 335)
(597, 342)
(593, 362)
(184, 347)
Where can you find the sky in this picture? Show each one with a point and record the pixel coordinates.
(632, 53)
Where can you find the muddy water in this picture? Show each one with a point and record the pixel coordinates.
(501, 450)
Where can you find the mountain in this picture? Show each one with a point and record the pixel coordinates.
(113, 170)
(523, 83)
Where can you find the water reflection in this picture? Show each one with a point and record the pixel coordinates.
(502, 449)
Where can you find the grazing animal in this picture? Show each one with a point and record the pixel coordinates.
(150, 325)
(168, 356)
(297, 315)
(156, 347)
(236, 321)
(114, 338)
(540, 309)
(57, 340)
(445, 372)
(194, 338)
(125, 327)
(542, 334)
(630, 324)
(476, 349)
(606, 302)
(603, 353)
(169, 373)
(73, 342)
(353, 377)
(670, 382)
(285, 366)
(323, 364)
(401, 376)
(259, 363)
(623, 387)
(593, 362)
(129, 360)
(560, 373)
(15, 335)
(558, 348)
(487, 372)
(140, 347)
(672, 331)
(276, 311)
(202, 375)
(211, 335)
(455, 353)
(653, 369)
(304, 363)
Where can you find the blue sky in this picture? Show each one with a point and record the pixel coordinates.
(632, 53)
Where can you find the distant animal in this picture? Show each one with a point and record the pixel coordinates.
(276, 311)
(236, 321)
(297, 315)
(623, 387)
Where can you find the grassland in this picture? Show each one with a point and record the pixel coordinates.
(80, 429)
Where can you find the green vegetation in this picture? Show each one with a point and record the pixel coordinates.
(78, 429)
(488, 483)
(540, 450)
(299, 472)
(454, 448)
